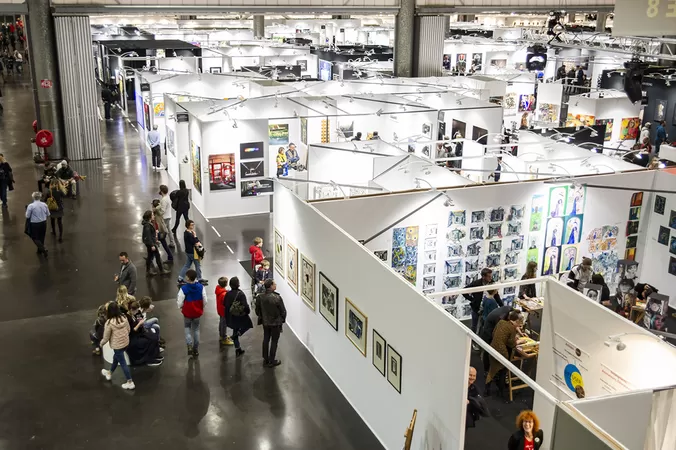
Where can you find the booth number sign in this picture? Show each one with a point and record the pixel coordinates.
(644, 18)
(653, 9)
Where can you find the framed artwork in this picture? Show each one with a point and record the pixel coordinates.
(251, 169)
(579, 120)
(672, 265)
(480, 135)
(171, 141)
(378, 354)
(660, 203)
(222, 172)
(526, 102)
(458, 126)
(196, 166)
(251, 150)
(253, 188)
(568, 257)
(672, 245)
(554, 234)
(660, 110)
(307, 278)
(303, 64)
(557, 201)
(576, 200)
(631, 241)
(303, 130)
(278, 134)
(632, 227)
(672, 219)
(663, 236)
(573, 230)
(279, 252)
(609, 127)
(394, 368)
(629, 128)
(292, 266)
(635, 213)
(550, 261)
(214, 70)
(328, 300)
(427, 130)
(381, 254)
(593, 291)
(637, 199)
(356, 326)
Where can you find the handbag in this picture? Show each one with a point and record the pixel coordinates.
(27, 228)
(237, 308)
(51, 203)
(199, 251)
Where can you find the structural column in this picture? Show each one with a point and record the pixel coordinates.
(259, 26)
(404, 39)
(428, 49)
(45, 73)
(601, 22)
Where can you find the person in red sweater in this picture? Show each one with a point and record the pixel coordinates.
(256, 254)
(220, 307)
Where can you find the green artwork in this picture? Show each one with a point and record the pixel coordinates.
(557, 201)
(532, 255)
(537, 212)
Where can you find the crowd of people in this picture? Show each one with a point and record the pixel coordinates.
(134, 337)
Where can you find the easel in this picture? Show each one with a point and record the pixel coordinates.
(409, 431)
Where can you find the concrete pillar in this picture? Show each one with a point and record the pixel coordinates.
(403, 39)
(601, 22)
(44, 66)
(259, 26)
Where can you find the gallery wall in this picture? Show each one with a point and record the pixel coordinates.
(434, 386)
(293, 126)
(614, 110)
(169, 130)
(341, 166)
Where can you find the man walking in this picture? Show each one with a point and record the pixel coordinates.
(271, 314)
(107, 97)
(192, 297)
(660, 136)
(127, 274)
(165, 208)
(36, 215)
(154, 142)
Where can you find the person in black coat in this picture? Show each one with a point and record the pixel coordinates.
(149, 237)
(271, 314)
(237, 318)
(180, 201)
(529, 435)
(476, 297)
(476, 405)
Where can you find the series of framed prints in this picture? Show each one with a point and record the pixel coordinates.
(385, 358)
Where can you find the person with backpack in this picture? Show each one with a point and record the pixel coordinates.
(192, 297)
(194, 252)
(237, 312)
(55, 205)
(180, 202)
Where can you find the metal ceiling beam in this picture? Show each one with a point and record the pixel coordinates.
(507, 8)
(68, 10)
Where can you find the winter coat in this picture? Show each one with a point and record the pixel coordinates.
(220, 299)
(241, 323)
(518, 440)
(270, 309)
(256, 255)
(149, 235)
(117, 333)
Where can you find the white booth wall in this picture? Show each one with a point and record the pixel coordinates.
(176, 168)
(211, 140)
(179, 64)
(389, 303)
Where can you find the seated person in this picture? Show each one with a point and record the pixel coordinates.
(357, 137)
(67, 176)
(99, 325)
(263, 273)
(144, 347)
(48, 174)
(146, 306)
(292, 155)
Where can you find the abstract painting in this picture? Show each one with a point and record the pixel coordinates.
(328, 300)
(278, 134)
(307, 278)
(405, 252)
(356, 326)
(292, 266)
(579, 120)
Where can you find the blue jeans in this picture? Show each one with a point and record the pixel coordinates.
(190, 259)
(192, 332)
(118, 358)
(152, 323)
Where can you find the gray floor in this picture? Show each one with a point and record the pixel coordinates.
(52, 395)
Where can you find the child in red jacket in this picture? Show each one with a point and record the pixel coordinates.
(220, 307)
(256, 254)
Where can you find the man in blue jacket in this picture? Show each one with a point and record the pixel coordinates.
(660, 136)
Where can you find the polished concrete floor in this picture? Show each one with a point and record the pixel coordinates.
(52, 395)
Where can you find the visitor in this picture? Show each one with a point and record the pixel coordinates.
(271, 314)
(292, 155)
(191, 300)
(488, 305)
(67, 176)
(161, 229)
(490, 323)
(18, 61)
(149, 238)
(561, 72)
(598, 279)
(357, 137)
(36, 222)
(570, 76)
(476, 405)
(153, 323)
(256, 253)
(127, 274)
(504, 341)
(528, 435)
(375, 136)
(237, 312)
(580, 275)
(117, 333)
(6, 179)
(528, 291)
(262, 274)
(96, 334)
(654, 163)
(221, 290)
(645, 133)
(660, 136)
(193, 251)
(475, 298)
(123, 298)
(580, 76)
(282, 167)
(497, 172)
(55, 205)
(144, 348)
(48, 173)
(180, 202)
(165, 208)
(107, 98)
(154, 141)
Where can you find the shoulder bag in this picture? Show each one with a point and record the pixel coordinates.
(237, 308)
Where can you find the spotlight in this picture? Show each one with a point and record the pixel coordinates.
(448, 202)
(417, 183)
(379, 112)
(234, 123)
(661, 165)
(639, 156)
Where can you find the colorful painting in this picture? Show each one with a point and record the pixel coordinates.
(568, 257)
(405, 252)
(278, 134)
(636, 199)
(573, 230)
(526, 102)
(576, 200)
(629, 128)
(222, 172)
(579, 120)
(557, 201)
(196, 166)
(553, 237)
(510, 101)
(158, 109)
(609, 127)
(550, 262)
(549, 113)
(672, 219)
(537, 212)
(307, 278)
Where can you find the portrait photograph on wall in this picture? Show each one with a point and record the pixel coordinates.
(222, 172)
(307, 279)
(279, 252)
(251, 150)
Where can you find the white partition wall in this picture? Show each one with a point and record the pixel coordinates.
(431, 382)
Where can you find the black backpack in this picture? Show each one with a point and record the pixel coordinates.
(174, 199)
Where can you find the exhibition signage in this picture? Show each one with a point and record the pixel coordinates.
(644, 18)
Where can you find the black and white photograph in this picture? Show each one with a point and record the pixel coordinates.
(473, 249)
(476, 233)
(429, 282)
(381, 254)
(431, 230)
(495, 277)
(510, 273)
(356, 326)
(452, 281)
(517, 243)
(252, 169)
(513, 228)
(511, 258)
(394, 368)
(478, 216)
(593, 291)
(430, 243)
(656, 311)
(328, 296)
(472, 265)
(492, 260)
(472, 277)
(456, 234)
(427, 130)
(494, 230)
(379, 355)
(431, 255)
(254, 188)
(495, 246)
(516, 212)
(454, 250)
(510, 290)
(453, 266)
(663, 235)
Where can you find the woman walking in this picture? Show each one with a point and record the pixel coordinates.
(117, 333)
(149, 237)
(180, 201)
(55, 205)
(237, 312)
(6, 180)
(162, 230)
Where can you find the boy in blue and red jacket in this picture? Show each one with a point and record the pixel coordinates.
(192, 297)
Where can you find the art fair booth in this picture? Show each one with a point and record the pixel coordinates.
(351, 285)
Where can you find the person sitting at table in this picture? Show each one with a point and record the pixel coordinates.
(504, 342)
(527, 291)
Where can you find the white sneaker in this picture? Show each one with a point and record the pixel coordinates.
(129, 385)
(107, 374)
(161, 350)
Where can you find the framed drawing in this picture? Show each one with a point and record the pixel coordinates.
(394, 368)
(279, 252)
(356, 326)
(328, 300)
(292, 266)
(660, 110)
(378, 354)
(307, 278)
